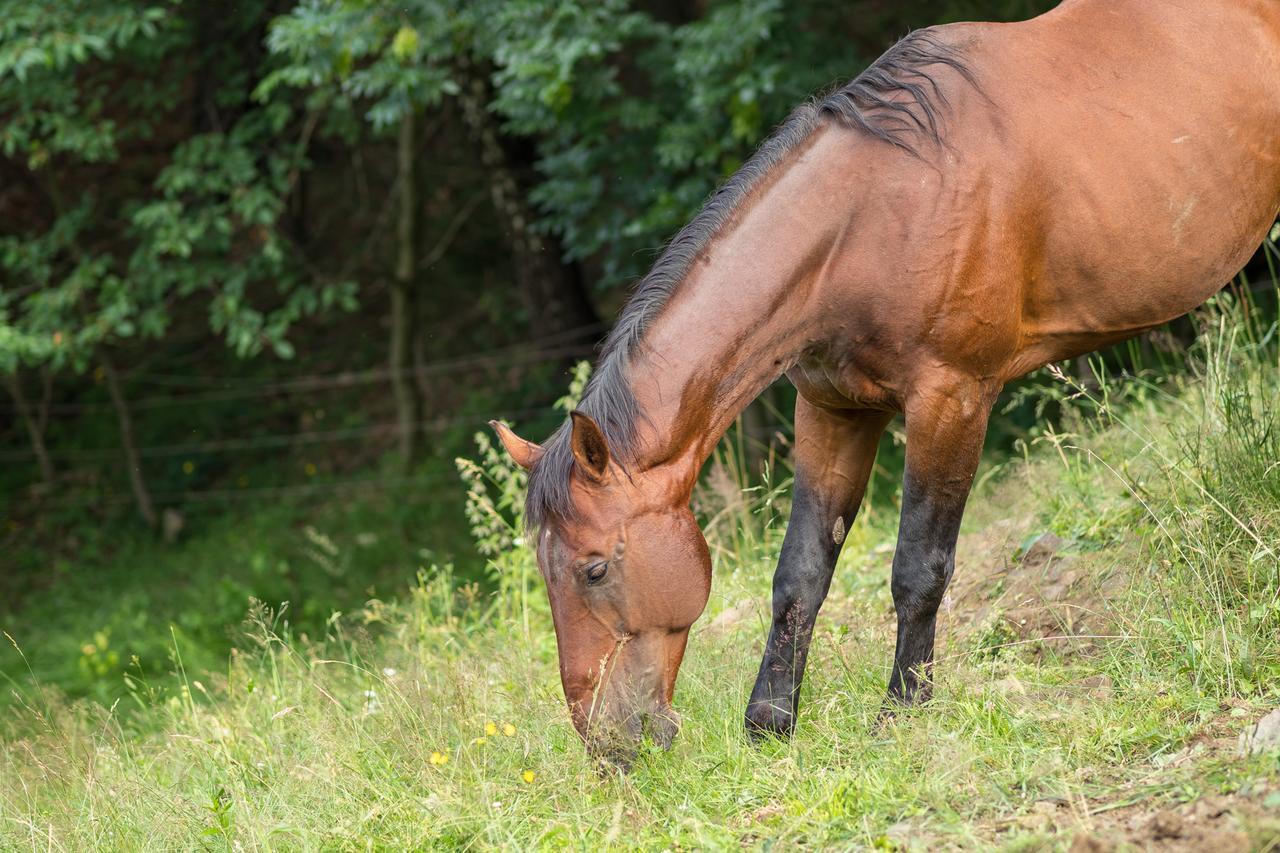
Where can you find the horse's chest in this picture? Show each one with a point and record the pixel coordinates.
(838, 385)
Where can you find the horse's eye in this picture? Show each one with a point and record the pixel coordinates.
(596, 572)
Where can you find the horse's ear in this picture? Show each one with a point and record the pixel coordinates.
(589, 447)
(525, 453)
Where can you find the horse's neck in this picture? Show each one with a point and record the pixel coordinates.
(747, 310)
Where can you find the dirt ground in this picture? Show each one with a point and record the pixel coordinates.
(1017, 587)
(1033, 590)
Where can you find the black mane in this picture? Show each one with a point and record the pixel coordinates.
(895, 100)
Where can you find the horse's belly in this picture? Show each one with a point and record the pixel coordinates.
(1113, 290)
(1156, 174)
(1135, 247)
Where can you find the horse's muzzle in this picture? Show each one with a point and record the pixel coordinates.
(614, 742)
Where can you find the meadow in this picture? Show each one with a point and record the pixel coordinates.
(1113, 628)
(266, 267)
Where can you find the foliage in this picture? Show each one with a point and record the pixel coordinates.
(624, 165)
(64, 293)
(345, 53)
(50, 109)
(634, 119)
(1197, 465)
(214, 227)
(89, 269)
(435, 720)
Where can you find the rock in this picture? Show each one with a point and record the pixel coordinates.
(1048, 808)
(1011, 686)
(1096, 686)
(1041, 817)
(1262, 736)
(171, 524)
(900, 833)
(726, 620)
(1085, 842)
(1166, 825)
(1040, 550)
(1179, 758)
(764, 814)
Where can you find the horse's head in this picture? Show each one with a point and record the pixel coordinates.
(627, 572)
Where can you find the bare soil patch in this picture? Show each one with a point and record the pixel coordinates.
(1026, 585)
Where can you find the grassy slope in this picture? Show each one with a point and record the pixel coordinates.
(377, 734)
(121, 609)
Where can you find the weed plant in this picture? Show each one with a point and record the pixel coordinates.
(434, 720)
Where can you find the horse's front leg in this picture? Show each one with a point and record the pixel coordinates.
(833, 457)
(946, 426)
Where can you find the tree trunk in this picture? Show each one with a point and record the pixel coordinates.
(552, 293)
(35, 427)
(402, 298)
(127, 441)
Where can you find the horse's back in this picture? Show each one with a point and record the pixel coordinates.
(1125, 152)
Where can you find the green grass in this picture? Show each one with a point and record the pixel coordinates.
(330, 745)
(120, 604)
(1194, 468)
(374, 734)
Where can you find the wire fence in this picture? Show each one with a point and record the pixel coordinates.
(521, 356)
(262, 442)
(259, 493)
(536, 353)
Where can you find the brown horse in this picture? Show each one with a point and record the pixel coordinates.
(983, 200)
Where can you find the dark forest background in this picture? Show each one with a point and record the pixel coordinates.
(266, 267)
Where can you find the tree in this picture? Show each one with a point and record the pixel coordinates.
(85, 85)
(340, 53)
(64, 300)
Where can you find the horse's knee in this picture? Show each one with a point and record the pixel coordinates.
(920, 581)
(798, 589)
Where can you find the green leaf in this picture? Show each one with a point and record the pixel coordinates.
(405, 44)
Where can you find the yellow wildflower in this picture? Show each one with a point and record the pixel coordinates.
(439, 759)
(508, 729)
(188, 467)
(480, 741)
(528, 776)
(310, 469)
(491, 729)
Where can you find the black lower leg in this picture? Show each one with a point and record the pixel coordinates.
(922, 568)
(800, 585)
(909, 683)
(833, 456)
(943, 447)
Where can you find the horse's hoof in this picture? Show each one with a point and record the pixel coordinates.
(896, 704)
(770, 720)
(888, 716)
